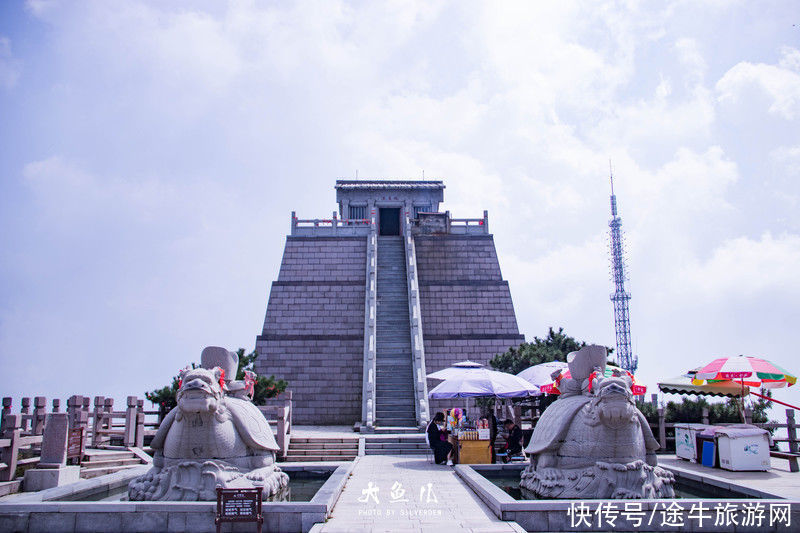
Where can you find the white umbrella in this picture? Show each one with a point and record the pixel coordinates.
(481, 382)
(457, 370)
(540, 374)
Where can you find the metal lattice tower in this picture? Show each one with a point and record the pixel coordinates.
(622, 323)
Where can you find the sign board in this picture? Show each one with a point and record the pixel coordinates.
(238, 505)
(75, 445)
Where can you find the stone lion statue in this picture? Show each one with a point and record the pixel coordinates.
(593, 442)
(210, 439)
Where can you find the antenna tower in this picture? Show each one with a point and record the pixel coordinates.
(620, 298)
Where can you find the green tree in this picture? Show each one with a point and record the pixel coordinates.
(554, 347)
(265, 387)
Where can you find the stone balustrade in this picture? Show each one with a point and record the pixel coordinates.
(21, 433)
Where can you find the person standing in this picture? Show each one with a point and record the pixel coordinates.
(493, 434)
(514, 439)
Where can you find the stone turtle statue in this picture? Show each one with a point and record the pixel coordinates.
(210, 440)
(593, 442)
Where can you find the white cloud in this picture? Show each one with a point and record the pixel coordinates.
(690, 56)
(188, 134)
(781, 83)
(788, 158)
(9, 66)
(746, 268)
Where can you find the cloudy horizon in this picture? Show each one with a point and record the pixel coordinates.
(152, 153)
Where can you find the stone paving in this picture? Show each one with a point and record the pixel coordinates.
(406, 493)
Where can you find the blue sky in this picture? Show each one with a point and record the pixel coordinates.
(151, 153)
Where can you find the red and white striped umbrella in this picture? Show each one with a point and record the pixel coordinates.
(749, 371)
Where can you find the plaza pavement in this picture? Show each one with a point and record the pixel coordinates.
(412, 495)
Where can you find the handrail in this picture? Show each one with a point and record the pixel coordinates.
(415, 317)
(368, 388)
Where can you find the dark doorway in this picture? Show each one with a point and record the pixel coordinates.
(389, 218)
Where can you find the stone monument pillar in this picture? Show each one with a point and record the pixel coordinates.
(52, 470)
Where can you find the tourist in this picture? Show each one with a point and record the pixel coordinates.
(437, 439)
(513, 440)
(491, 423)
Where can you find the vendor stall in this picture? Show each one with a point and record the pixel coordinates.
(471, 446)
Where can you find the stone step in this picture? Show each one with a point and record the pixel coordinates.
(348, 440)
(396, 452)
(399, 422)
(104, 455)
(396, 430)
(111, 463)
(393, 400)
(88, 473)
(396, 438)
(406, 444)
(316, 458)
(401, 410)
(322, 445)
(324, 451)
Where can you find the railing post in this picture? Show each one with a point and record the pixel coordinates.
(39, 412)
(662, 429)
(74, 411)
(73, 407)
(97, 422)
(25, 414)
(280, 426)
(108, 420)
(485, 221)
(705, 415)
(334, 223)
(294, 223)
(10, 454)
(129, 437)
(6, 409)
(139, 442)
(791, 430)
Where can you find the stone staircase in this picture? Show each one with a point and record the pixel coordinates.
(394, 404)
(101, 462)
(322, 449)
(395, 445)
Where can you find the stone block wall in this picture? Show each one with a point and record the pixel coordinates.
(467, 311)
(313, 333)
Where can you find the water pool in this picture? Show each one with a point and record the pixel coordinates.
(684, 488)
(303, 485)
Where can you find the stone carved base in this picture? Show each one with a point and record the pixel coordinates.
(37, 479)
(197, 481)
(602, 480)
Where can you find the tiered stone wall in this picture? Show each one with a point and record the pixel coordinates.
(313, 333)
(467, 312)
